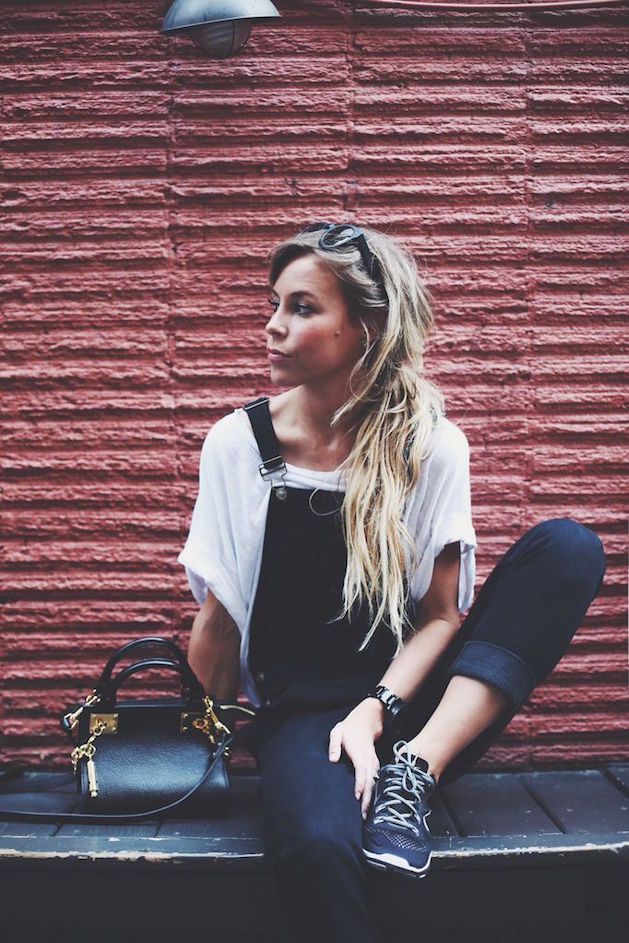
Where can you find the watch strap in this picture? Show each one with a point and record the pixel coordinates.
(392, 703)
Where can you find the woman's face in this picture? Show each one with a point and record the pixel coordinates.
(310, 324)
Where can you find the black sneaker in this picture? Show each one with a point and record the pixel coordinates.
(395, 834)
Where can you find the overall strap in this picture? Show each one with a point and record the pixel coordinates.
(272, 461)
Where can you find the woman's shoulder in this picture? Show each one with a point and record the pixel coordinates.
(448, 444)
(229, 435)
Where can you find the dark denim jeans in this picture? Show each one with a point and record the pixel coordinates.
(517, 629)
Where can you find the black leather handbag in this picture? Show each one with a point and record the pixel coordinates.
(137, 759)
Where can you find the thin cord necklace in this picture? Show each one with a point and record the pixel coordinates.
(320, 513)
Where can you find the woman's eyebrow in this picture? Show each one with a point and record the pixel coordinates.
(297, 294)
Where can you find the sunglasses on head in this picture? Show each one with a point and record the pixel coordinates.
(336, 235)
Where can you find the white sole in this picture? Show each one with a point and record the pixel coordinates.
(389, 862)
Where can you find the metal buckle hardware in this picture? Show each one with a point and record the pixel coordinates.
(72, 718)
(276, 462)
(280, 465)
(108, 721)
(208, 723)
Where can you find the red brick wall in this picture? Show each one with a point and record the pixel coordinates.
(143, 184)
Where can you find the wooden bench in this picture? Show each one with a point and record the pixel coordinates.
(539, 856)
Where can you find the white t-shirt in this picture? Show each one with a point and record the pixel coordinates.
(224, 546)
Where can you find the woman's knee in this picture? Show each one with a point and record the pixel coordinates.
(575, 551)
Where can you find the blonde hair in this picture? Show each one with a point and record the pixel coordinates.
(392, 408)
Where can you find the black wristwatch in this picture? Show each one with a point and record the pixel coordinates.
(392, 703)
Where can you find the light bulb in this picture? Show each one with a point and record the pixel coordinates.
(221, 40)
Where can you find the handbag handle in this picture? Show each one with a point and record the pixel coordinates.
(192, 689)
(148, 640)
(70, 718)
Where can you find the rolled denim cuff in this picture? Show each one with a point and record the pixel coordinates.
(498, 666)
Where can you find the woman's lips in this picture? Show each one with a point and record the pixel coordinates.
(272, 355)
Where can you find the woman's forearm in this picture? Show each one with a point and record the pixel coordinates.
(408, 670)
(437, 625)
(214, 652)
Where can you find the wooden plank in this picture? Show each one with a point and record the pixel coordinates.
(242, 854)
(440, 821)
(35, 791)
(497, 809)
(243, 820)
(243, 825)
(620, 774)
(482, 804)
(582, 802)
(124, 851)
(54, 802)
(107, 832)
(26, 829)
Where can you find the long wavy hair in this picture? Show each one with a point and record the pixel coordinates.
(392, 408)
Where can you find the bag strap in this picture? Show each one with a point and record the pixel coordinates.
(270, 450)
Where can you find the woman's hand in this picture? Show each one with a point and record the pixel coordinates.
(357, 735)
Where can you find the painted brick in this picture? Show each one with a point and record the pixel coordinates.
(143, 186)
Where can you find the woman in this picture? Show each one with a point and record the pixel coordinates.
(332, 546)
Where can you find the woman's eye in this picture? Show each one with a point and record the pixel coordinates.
(299, 308)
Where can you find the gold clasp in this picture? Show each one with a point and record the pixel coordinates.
(208, 723)
(211, 714)
(72, 718)
(88, 749)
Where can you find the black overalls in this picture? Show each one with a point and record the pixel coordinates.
(297, 657)
(519, 625)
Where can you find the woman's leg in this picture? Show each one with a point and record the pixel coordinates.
(519, 626)
(312, 832)
(467, 708)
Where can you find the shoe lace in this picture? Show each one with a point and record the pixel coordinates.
(405, 786)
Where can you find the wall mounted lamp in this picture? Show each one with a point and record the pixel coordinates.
(218, 27)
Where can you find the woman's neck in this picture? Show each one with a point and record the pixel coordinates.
(303, 426)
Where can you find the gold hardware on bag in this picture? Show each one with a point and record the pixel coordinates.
(207, 723)
(185, 721)
(91, 778)
(109, 720)
(72, 718)
(86, 751)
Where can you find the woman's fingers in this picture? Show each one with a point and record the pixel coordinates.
(359, 785)
(365, 778)
(368, 792)
(334, 750)
(366, 765)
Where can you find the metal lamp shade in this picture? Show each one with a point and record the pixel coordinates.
(218, 27)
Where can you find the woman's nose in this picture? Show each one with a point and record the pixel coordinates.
(274, 325)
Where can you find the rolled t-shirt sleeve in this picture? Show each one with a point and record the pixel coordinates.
(453, 515)
(209, 555)
(439, 512)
